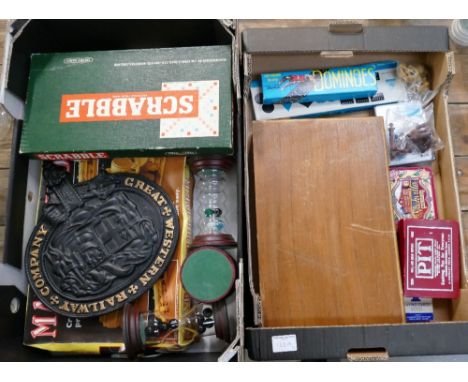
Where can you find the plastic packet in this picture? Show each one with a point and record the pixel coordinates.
(416, 78)
(411, 129)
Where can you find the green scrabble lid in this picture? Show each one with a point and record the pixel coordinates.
(208, 274)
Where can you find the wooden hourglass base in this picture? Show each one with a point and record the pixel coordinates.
(221, 319)
(223, 240)
(210, 162)
(131, 331)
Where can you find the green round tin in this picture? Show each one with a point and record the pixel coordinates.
(208, 274)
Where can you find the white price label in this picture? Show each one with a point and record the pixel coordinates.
(282, 344)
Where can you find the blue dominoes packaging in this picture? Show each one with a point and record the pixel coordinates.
(320, 85)
(390, 89)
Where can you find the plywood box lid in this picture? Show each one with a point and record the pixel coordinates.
(326, 243)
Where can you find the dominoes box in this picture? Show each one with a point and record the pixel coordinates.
(319, 85)
(390, 89)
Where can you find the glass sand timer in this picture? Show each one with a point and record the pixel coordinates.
(144, 331)
(210, 181)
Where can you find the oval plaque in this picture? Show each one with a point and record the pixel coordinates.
(99, 244)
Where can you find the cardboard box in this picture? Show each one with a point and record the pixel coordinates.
(129, 103)
(95, 35)
(289, 48)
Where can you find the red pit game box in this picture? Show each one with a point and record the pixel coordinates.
(430, 258)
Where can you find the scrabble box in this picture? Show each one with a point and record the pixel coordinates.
(89, 105)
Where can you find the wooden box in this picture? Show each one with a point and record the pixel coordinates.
(326, 242)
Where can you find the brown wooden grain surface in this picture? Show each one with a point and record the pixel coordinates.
(461, 166)
(330, 177)
(2, 236)
(459, 125)
(5, 145)
(2, 38)
(3, 194)
(465, 231)
(458, 111)
(459, 87)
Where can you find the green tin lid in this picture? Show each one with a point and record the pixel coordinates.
(208, 274)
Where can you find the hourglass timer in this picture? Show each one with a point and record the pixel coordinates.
(212, 211)
(144, 331)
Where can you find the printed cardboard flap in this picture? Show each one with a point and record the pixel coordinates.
(371, 39)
